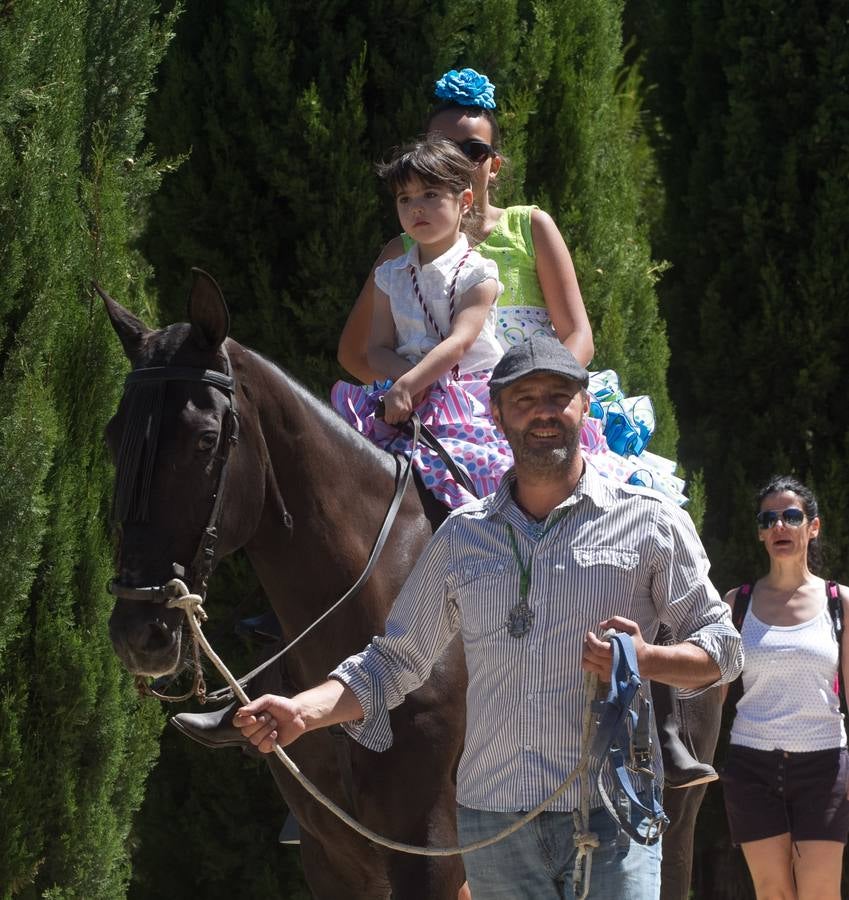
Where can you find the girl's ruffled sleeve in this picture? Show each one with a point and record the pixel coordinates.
(476, 270)
(382, 275)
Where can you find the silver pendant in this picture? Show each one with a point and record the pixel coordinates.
(520, 620)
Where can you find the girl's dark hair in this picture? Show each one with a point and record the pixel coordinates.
(431, 160)
(436, 162)
(473, 112)
(778, 484)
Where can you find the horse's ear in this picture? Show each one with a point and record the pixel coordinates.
(129, 329)
(208, 312)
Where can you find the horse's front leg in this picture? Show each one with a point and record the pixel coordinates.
(337, 861)
(333, 871)
(702, 718)
(434, 877)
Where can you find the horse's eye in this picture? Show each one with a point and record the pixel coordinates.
(207, 441)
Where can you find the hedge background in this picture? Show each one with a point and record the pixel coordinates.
(694, 154)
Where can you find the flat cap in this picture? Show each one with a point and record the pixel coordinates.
(541, 353)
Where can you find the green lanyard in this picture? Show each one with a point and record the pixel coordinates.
(521, 616)
(524, 570)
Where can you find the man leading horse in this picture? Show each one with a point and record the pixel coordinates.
(526, 576)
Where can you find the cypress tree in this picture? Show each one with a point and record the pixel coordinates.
(589, 165)
(756, 166)
(74, 749)
(753, 102)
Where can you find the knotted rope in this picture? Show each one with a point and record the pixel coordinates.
(192, 606)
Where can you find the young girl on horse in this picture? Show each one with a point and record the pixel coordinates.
(432, 342)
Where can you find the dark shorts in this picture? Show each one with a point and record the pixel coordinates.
(772, 792)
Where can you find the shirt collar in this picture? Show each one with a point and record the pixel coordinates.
(591, 485)
(445, 263)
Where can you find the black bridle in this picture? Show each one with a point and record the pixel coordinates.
(200, 568)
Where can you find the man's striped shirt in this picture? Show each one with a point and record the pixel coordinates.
(609, 549)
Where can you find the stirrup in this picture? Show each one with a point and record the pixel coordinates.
(623, 738)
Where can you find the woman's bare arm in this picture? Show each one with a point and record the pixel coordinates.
(352, 351)
(559, 284)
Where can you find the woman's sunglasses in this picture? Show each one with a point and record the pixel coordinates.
(477, 151)
(769, 518)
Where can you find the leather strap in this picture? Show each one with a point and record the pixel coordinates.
(641, 817)
(461, 476)
(380, 542)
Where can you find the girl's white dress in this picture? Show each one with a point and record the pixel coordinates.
(457, 408)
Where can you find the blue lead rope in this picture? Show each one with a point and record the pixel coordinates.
(623, 741)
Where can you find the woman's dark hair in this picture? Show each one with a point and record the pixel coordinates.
(473, 112)
(436, 162)
(780, 484)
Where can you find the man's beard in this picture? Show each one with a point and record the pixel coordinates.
(544, 460)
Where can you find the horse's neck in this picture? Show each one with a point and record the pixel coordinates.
(336, 487)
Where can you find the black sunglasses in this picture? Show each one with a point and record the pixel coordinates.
(769, 518)
(477, 151)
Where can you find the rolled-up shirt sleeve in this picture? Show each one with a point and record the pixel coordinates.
(420, 626)
(687, 601)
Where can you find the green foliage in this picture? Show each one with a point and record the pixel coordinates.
(754, 151)
(75, 749)
(278, 198)
(588, 114)
(184, 820)
(756, 235)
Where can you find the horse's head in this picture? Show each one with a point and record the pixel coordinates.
(174, 442)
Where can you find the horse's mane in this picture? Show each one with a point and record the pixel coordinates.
(348, 436)
(136, 457)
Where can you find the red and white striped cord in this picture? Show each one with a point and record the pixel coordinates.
(455, 371)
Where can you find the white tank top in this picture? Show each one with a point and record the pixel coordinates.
(789, 700)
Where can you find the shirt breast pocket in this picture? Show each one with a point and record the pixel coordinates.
(607, 571)
(484, 598)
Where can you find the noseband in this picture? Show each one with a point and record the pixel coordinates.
(200, 569)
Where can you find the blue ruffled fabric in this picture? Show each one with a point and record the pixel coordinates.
(628, 424)
(466, 87)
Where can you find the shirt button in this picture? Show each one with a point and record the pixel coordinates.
(528, 747)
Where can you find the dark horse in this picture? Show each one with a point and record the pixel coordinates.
(305, 496)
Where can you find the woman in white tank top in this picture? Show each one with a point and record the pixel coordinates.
(787, 774)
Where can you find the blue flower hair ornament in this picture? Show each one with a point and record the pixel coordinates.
(467, 88)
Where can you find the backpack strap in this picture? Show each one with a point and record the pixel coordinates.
(835, 607)
(738, 613)
(741, 605)
(835, 610)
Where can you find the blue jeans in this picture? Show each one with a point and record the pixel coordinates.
(536, 862)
